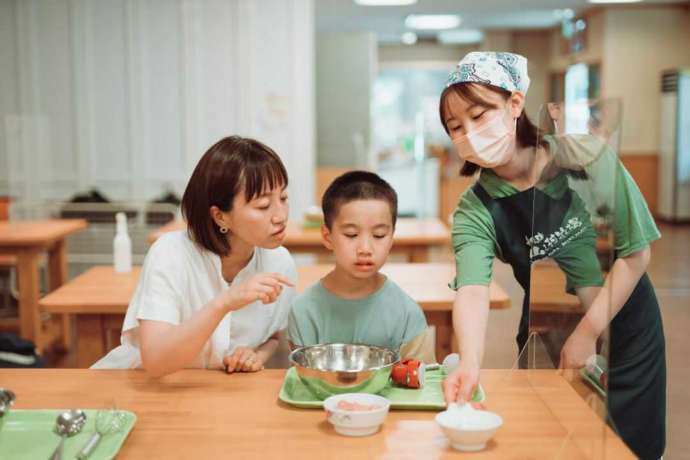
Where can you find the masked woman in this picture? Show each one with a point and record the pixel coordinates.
(526, 205)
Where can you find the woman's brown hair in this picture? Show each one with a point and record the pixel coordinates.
(231, 165)
(526, 133)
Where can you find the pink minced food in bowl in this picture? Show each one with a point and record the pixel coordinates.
(355, 406)
(356, 414)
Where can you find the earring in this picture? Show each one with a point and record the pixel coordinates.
(223, 230)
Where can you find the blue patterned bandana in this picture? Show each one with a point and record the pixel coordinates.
(503, 70)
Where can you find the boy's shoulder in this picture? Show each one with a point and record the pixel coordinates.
(404, 308)
(308, 299)
(393, 291)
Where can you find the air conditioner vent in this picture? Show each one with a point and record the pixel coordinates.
(669, 81)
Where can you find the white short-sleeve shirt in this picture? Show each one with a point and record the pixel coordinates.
(179, 277)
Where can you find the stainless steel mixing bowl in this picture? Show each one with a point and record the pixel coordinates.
(343, 368)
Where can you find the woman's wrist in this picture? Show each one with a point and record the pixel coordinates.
(266, 350)
(588, 327)
(471, 358)
(226, 302)
(262, 356)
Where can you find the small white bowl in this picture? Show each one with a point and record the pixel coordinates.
(468, 429)
(356, 422)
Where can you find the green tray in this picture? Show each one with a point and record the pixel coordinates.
(28, 434)
(589, 379)
(429, 397)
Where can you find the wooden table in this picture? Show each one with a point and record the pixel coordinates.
(554, 314)
(208, 414)
(413, 237)
(550, 306)
(7, 260)
(99, 298)
(547, 292)
(27, 240)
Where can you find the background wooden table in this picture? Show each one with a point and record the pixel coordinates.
(99, 298)
(547, 292)
(209, 414)
(554, 314)
(550, 305)
(26, 241)
(413, 237)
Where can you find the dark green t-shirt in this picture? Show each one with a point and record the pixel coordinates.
(608, 196)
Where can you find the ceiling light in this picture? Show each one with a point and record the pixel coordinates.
(385, 2)
(432, 21)
(409, 38)
(460, 36)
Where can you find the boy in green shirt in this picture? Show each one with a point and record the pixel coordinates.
(355, 303)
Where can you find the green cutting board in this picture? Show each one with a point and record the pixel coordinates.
(429, 397)
(28, 434)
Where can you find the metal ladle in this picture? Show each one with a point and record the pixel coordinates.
(67, 424)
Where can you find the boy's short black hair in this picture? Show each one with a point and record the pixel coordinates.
(357, 185)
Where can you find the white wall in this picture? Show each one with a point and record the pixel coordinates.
(8, 84)
(422, 52)
(346, 68)
(639, 43)
(535, 46)
(126, 95)
(497, 40)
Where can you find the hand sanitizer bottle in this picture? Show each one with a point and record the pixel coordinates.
(122, 245)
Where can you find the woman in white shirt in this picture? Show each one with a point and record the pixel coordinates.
(218, 294)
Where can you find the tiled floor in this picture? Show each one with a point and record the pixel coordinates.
(670, 272)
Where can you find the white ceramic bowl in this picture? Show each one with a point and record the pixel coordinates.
(468, 429)
(356, 422)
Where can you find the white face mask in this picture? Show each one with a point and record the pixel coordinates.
(491, 144)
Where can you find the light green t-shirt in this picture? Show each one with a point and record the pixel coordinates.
(387, 318)
(608, 194)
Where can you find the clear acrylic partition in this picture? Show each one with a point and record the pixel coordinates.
(571, 250)
(562, 413)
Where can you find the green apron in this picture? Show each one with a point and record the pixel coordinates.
(637, 361)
